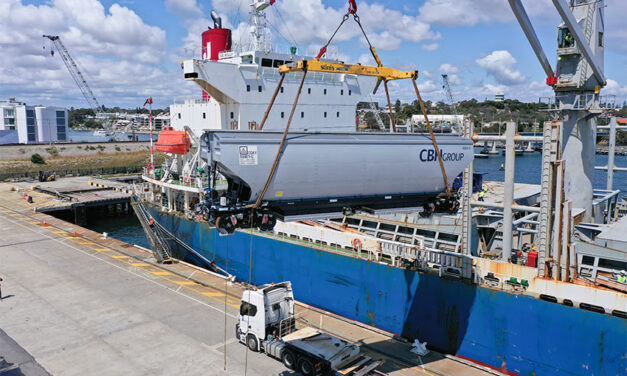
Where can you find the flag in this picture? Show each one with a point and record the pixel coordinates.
(148, 101)
(272, 2)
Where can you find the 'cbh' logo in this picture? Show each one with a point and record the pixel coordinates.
(429, 155)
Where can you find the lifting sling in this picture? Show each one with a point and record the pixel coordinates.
(382, 73)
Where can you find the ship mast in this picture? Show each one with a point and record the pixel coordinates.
(258, 29)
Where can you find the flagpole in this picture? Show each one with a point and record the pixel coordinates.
(152, 153)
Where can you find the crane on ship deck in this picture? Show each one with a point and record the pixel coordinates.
(81, 82)
(449, 97)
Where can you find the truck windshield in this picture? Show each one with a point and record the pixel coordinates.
(247, 309)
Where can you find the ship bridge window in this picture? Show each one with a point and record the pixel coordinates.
(247, 87)
(612, 264)
(259, 88)
(302, 114)
(325, 114)
(342, 92)
(266, 62)
(587, 260)
(179, 115)
(282, 114)
(281, 89)
(247, 59)
(277, 63)
(231, 114)
(600, 39)
(325, 91)
(350, 92)
(308, 90)
(338, 114)
(204, 115)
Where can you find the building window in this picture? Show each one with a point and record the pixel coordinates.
(204, 115)
(282, 114)
(325, 91)
(302, 114)
(342, 92)
(338, 114)
(277, 63)
(259, 88)
(61, 135)
(325, 114)
(308, 90)
(247, 87)
(600, 39)
(281, 89)
(232, 114)
(179, 115)
(30, 126)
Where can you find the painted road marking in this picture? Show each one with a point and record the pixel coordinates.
(162, 273)
(139, 264)
(184, 283)
(119, 256)
(101, 249)
(212, 294)
(87, 243)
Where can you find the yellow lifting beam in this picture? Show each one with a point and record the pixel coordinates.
(315, 65)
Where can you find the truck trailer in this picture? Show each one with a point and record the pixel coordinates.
(267, 324)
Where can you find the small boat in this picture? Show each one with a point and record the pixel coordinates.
(481, 155)
(173, 141)
(100, 133)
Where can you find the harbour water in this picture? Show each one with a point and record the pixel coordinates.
(88, 136)
(129, 230)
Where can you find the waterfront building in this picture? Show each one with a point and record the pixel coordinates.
(26, 124)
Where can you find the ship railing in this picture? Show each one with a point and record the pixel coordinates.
(447, 263)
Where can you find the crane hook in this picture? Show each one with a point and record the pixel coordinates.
(352, 7)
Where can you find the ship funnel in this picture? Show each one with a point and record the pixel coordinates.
(217, 20)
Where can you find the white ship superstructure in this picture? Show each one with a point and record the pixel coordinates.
(241, 84)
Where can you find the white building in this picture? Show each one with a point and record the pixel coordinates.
(438, 120)
(20, 123)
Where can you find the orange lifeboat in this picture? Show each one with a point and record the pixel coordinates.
(172, 141)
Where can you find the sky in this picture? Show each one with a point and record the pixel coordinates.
(132, 49)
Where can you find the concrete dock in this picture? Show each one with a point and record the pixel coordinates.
(78, 304)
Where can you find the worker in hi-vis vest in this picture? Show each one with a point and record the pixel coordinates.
(482, 194)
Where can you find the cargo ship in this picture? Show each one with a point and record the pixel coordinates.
(407, 272)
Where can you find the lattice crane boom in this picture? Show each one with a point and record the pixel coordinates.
(75, 73)
(449, 93)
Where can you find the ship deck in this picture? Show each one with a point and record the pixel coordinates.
(76, 303)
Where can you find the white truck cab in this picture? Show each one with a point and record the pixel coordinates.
(267, 324)
(266, 311)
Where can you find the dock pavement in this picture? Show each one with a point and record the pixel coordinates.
(76, 303)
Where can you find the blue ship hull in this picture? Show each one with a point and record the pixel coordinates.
(513, 333)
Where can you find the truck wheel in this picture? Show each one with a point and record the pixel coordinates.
(306, 366)
(252, 342)
(237, 331)
(289, 359)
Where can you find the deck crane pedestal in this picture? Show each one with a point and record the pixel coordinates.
(78, 77)
(567, 175)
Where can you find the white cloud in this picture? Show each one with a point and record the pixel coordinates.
(116, 50)
(614, 88)
(464, 12)
(430, 46)
(455, 13)
(448, 68)
(500, 65)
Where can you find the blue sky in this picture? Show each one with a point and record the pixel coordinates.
(131, 49)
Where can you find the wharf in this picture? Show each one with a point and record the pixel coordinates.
(75, 194)
(80, 304)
